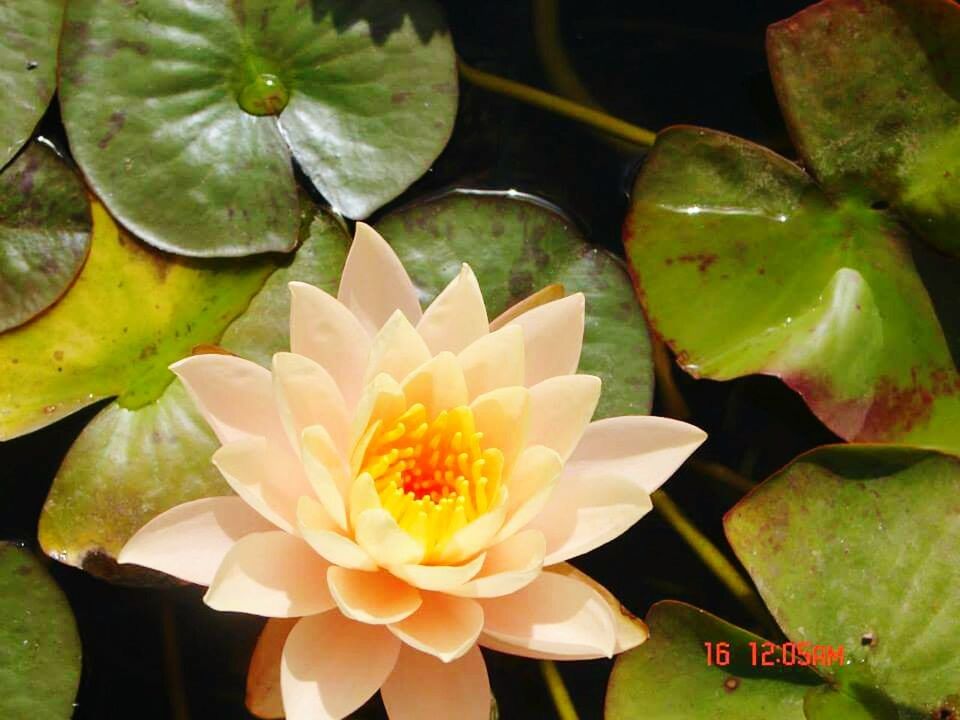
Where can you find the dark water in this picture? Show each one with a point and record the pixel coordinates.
(148, 653)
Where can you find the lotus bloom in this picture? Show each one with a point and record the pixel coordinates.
(409, 485)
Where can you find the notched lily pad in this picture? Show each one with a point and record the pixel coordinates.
(669, 678)
(44, 233)
(517, 246)
(28, 68)
(871, 94)
(129, 314)
(744, 265)
(185, 116)
(855, 546)
(130, 464)
(39, 644)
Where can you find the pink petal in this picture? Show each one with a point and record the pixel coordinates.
(553, 614)
(646, 449)
(494, 361)
(444, 626)
(457, 316)
(397, 350)
(325, 536)
(328, 474)
(630, 630)
(268, 479)
(421, 686)
(553, 336)
(331, 666)
(474, 537)
(272, 574)
(234, 395)
(307, 396)
(325, 331)
(529, 486)
(560, 409)
(263, 676)
(584, 513)
(503, 416)
(374, 283)
(190, 540)
(438, 385)
(509, 566)
(442, 578)
(377, 598)
(382, 400)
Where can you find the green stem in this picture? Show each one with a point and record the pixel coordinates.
(673, 402)
(561, 106)
(711, 556)
(721, 473)
(558, 691)
(560, 70)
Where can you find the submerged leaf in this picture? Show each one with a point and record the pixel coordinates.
(185, 116)
(44, 233)
(39, 644)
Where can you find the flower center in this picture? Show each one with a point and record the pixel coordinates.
(434, 477)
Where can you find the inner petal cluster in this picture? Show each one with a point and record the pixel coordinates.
(433, 476)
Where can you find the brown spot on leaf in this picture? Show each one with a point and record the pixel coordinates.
(702, 260)
(731, 684)
(114, 125)
(398, 98)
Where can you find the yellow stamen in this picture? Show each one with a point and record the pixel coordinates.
(435, 476)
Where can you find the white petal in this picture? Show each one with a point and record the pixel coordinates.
(378, 533)
(272, 574)
(560, 409)
(553, 336)
(494, 361)
(438, 385)
(307, 396)
(443, 578)
(457, 316)
(190, 540)
(503, 416)
(459, 689)
(324, 536)
(553, 614)
(374, 283)
(372, 597)
(475, 536)
(584, 513)
(397, 350)
(530, 485)
(326, 471)
(324, 330)
(331, 666)
(235, 396)
(645, 449)
(269, 479)
(444, 626)
(509, 566)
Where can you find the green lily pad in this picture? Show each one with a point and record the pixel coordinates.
(131, 312)
(185, 116)
(855, 547)
(744, 265)
(669, 678)
(129, 465)
(28, 68)
(39, 644)
(44, 233)
(871, 94)
(517, 246)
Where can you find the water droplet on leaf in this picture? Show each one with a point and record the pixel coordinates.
(264, 95)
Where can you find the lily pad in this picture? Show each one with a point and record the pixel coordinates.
(130, 464)
(871, 94)
(131, 312)
(517, 246)
(744, 265)
(855, 547)
(28, 68)
(669, 677)
(185, 117)
(44, 233)
(39, 644)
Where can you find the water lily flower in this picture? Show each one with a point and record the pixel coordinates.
(409, 485)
